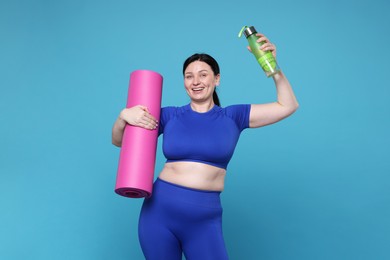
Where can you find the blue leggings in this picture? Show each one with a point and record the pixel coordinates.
(177, 220)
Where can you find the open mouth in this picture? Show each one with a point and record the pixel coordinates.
(196, 90)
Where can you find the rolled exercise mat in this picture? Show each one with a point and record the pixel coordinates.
(138, 152)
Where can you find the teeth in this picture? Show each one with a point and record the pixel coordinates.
(196, 89)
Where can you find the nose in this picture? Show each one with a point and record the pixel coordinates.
(196, 80)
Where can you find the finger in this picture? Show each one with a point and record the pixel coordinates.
(150, 117)
(267, 46)
(143, 108)
(249, 48)
(146, 125)
(149, 123)
(262, 39)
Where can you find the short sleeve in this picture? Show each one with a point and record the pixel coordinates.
(166, 113)
(239, 114)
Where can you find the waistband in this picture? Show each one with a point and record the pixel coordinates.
(177, 192)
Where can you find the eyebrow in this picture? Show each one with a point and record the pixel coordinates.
(198, 71)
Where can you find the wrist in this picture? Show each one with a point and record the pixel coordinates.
(121, 121)
(278, 76)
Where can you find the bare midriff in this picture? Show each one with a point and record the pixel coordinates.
(194, 175)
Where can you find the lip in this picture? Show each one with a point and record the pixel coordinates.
(198, 89)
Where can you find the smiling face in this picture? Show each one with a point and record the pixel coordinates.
(200, 81)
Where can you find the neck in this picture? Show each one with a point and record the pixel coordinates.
(202, 107)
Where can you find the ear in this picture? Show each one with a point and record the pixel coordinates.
(217, 80)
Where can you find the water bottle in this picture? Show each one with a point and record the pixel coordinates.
(264, 58)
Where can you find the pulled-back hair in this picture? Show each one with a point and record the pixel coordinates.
(211, 62)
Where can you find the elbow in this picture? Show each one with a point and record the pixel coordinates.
(296, 106)
(291, 110)
(116, 142)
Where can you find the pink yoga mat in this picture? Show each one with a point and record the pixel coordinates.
(138, 152)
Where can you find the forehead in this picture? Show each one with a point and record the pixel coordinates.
(197, 66)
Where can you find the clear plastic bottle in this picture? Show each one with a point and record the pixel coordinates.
(264, 58)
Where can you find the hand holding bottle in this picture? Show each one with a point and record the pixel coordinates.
(263, 50)
(266, 44)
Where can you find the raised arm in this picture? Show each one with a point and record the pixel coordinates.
(286, 103)
(136, 116)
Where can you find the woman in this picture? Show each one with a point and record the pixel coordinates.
(184, 215)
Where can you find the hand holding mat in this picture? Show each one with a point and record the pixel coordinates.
(138, 152)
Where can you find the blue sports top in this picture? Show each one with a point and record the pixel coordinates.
(209, 137)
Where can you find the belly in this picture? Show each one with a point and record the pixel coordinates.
(194, 175)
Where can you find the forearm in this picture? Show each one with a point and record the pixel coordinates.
(285, 93)
(286, 104)
(117, 132)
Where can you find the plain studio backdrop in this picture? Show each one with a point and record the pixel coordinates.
(314, 186)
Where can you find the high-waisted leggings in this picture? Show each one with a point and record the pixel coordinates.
(177, 220)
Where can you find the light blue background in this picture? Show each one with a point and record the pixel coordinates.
(314, 186)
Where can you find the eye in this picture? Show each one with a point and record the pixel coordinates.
(188, 77)
(203, 75)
